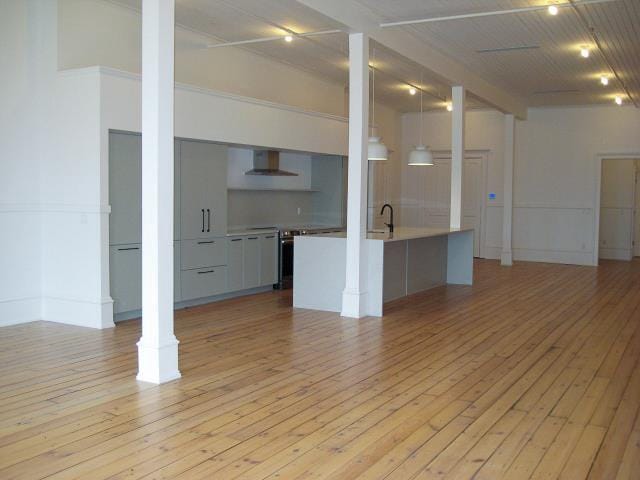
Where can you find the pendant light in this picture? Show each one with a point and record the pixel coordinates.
(376, 149)
(421, 155)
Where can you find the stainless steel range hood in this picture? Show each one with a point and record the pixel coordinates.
(267, 163)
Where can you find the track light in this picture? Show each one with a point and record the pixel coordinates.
(553, 10)
(584, 52)
(288, 38)
(604, 80)
(449, 107)
(412, 91)
(618, 100)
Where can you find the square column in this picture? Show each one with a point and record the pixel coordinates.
(457, 154)
(506, 257)
(158, 346)
(354, 297)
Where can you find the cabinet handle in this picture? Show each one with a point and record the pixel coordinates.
(236, 239)
(252, 238)
(203, 242)
(128, 248)
(208, 220)
(270, 236)
(206, 271)
(202, 220)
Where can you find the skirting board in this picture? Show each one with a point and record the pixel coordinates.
(82, 313)
(552, 256)
(20, 310)
(121, 317)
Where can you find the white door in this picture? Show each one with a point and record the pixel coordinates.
(617, 204)
(472, 199)
(434, 198)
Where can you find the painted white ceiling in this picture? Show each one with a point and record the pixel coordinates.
(551, 74)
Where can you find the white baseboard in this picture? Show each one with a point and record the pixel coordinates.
(615, 254)
(553, 256)
(20, 310)
(492, 253)
(83, 313)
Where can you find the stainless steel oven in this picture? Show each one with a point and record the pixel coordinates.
(286, 254)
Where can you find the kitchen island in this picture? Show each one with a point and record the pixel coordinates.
(407, 261)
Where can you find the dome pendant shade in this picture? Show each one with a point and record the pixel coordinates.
(377, 150)
(420, 155)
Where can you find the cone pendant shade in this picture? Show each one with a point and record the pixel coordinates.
(377, 149)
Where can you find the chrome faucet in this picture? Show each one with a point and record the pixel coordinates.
(390, 224)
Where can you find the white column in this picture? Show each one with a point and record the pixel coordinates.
(506, 258)
(354, 297)
(457, 155)
(158, 347)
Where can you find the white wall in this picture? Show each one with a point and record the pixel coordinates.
(554, 173)
(22, 97)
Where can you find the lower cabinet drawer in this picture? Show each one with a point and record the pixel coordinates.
(203, 282)
(200, 253)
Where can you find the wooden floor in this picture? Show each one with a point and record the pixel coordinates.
(532, 373)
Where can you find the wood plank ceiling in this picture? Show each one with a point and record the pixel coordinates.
(548, 71)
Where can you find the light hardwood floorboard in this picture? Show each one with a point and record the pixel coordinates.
(534, 372)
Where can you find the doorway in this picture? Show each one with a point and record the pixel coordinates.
(619, 226)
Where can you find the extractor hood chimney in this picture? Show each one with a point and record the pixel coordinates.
(267, 163)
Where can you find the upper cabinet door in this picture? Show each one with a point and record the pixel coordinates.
(125, 188)
(203, 179)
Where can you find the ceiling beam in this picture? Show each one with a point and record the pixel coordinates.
(451, 72)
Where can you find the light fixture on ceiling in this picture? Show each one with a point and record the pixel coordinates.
(604, 80)
(412, 91)
(552, 10)
(618, 100)
(421, 155)
(584, 52)
(376, 149)
(449, 107)
(288, 38)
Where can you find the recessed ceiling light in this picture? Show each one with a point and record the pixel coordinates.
(553, 10)
(604, 80)
(618, 100)
(412, 91)
(449, 107)
(584, 52)
(288, 38)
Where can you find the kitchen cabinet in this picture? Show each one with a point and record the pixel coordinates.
(203, 189)
(268, 259)
(125, 188)
(203, 282)
(125, 263)
(207, 252)
(125, 272)
(235, 270)
(251, 266)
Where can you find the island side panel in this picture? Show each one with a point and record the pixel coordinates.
(460, 258)
(376, 270)
(426, 263)
(319, 272)
(395, 270)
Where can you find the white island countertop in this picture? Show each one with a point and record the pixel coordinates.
(402, 233)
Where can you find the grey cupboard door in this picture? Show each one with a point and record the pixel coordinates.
(125, 263)
(268, 259)
(252, 261)
(203, 189)
(235, 267)
(125, 188)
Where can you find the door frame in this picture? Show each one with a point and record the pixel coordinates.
(598, 190)
(483, 156)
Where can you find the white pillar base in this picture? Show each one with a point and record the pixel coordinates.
(506, 259)
(158, 363)
(354, 304)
